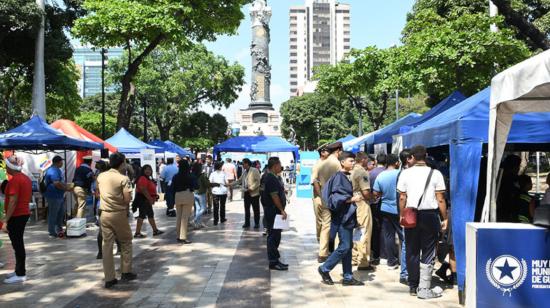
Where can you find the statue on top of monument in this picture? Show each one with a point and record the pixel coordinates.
(261, 13)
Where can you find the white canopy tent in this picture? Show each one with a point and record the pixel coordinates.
(522, 88)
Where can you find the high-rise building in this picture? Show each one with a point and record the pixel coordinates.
(319, 34)
(88, 62)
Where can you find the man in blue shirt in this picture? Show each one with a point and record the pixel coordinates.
(376, 246)
(55, 194)
(385, 187)
(168, 174)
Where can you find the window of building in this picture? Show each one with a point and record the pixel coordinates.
(260, 117)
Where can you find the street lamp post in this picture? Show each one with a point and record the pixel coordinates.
(103, 58)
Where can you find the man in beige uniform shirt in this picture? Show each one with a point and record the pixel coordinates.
(325, 170)
(116, 193)
(323, 154)
(361, 187)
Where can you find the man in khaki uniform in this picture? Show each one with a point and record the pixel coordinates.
(116, 194)
(324, 171)
(361, 187)
(323, 154)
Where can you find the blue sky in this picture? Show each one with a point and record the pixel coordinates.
(373, 22)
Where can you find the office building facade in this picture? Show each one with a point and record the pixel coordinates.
(88, 63)
(319, 34)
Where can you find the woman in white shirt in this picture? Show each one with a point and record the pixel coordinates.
(219, 183)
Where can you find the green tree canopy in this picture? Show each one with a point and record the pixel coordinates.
(141, 26)
(174, 83)
(458, 52)
(315, 117)
(19, 21)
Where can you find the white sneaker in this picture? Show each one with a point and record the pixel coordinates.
(15, 279)
(10, 275)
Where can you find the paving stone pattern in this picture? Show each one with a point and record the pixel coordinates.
(223, 267)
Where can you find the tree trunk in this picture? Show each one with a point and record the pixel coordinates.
(164, 130)
(527, 29)
(125, 107)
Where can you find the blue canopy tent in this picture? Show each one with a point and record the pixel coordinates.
(385, 135)
(179, 150)
(127, 143)
(354, 145)
(162, 147)
(347, 138)
(256, 144)
(464, 128)
(451, 100)
(36, 134)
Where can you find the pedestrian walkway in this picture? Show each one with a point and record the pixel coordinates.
(224, 267)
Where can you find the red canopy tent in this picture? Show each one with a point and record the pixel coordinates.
(71, 129)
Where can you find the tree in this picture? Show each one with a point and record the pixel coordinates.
(201, 125)
(361, 81)
(529, 19)
(91, 121)
(198, 144)
(142, 26)
(19, 22)
(458, 52)
(173, 83)
(315, 117)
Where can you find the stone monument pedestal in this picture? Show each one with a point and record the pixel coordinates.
(258, 122)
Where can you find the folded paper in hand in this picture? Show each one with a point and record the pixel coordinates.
(280, 223)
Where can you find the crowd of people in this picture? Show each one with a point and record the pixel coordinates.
(191, 190)
(359, 193)
(389, 210)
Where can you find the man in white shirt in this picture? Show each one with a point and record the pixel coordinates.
(231, 175)
(422, 188)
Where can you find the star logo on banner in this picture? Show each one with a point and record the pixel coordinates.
(506, 273)
(506, 270)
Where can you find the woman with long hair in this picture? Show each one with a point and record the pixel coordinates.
(219, 191)
(184, 183)
(200, 194)
(146, 196)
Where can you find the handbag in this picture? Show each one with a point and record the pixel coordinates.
(541, 216)
(408, 220)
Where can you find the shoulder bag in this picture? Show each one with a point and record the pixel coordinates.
(408, 220)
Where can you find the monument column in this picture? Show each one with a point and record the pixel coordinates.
(259, 50)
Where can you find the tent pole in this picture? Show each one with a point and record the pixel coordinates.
(538, 172)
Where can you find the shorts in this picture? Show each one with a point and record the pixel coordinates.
(146, 210)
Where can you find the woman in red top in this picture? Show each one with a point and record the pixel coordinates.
(18, 196)
(146, 196)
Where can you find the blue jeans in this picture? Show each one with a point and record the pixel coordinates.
(56, 213)
(200, 206)
(404, 274)
(342, 253)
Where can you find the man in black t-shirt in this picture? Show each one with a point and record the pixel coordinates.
(273, 201)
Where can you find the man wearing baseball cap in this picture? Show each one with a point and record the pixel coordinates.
(18, 196)
(55, 194)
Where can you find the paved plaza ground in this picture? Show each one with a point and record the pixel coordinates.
(224, 267)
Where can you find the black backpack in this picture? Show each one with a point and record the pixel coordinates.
(42, 185)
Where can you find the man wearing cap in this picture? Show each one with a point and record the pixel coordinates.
(323, 154)
(83, 179)
(325, 170)
(18, 195)
(55, 194)
(115, 193)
